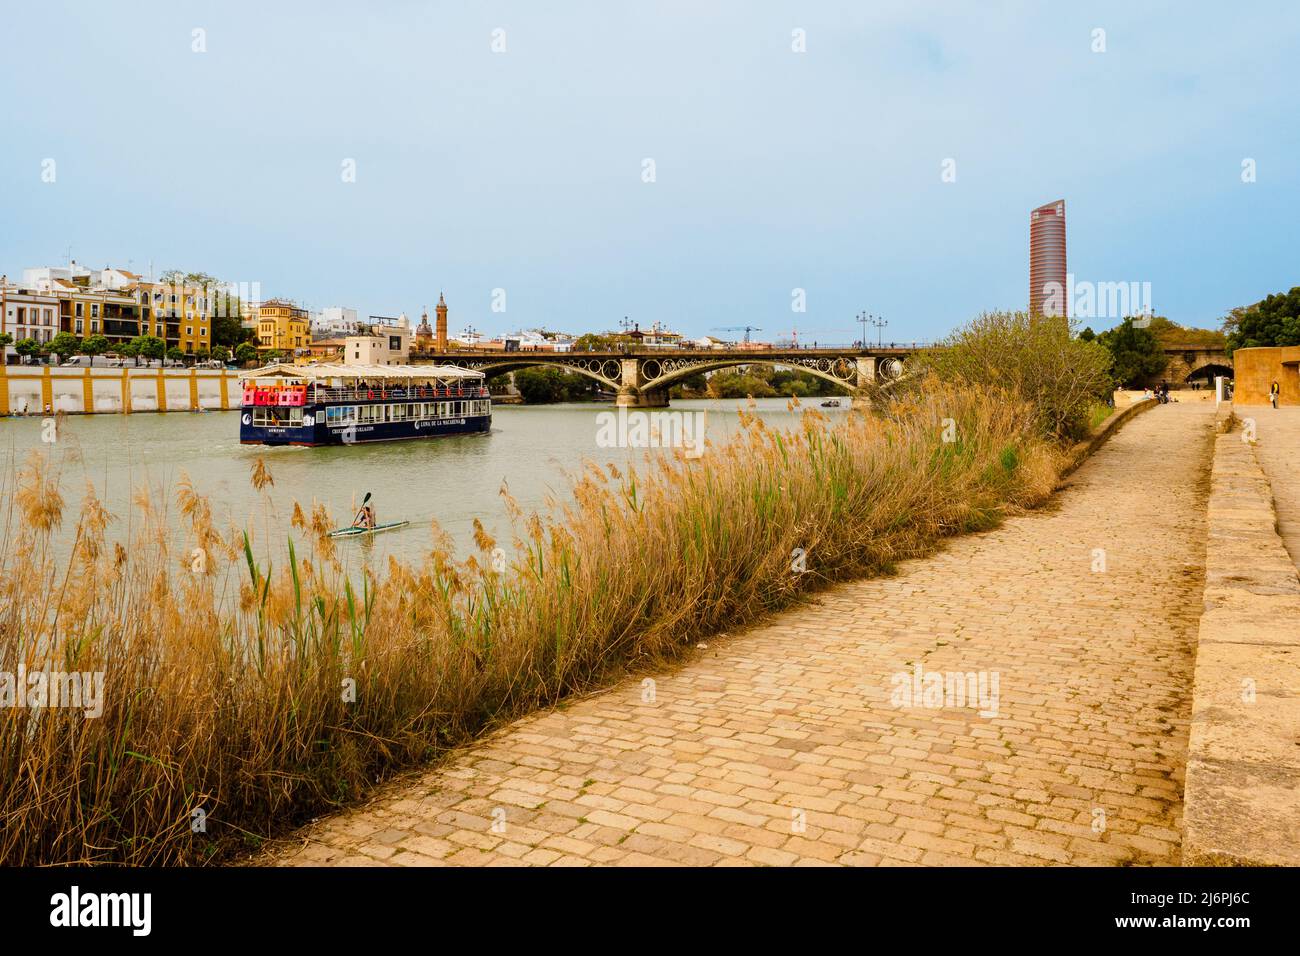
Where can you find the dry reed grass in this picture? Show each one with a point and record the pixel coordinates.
(226, 669)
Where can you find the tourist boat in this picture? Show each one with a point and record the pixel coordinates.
(354, 404)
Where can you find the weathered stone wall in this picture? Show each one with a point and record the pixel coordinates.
(1242, 792)
(36, 389)
(1257, 369)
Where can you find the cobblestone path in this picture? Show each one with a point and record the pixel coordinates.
(781, 744)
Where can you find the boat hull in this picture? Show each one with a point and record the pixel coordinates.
(315, 431)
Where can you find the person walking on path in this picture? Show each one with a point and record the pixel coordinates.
(1274, 390)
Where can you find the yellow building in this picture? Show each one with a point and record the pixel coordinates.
(85, 311)
(282, 327)
(179, 314)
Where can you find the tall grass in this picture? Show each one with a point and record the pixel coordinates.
(229, 658)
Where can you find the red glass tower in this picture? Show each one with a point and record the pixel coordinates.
(1047, 260)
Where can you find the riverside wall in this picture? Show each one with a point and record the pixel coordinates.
(45, 389)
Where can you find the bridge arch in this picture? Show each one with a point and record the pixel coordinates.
(598, 369)
(841, 372)
(1208, 370)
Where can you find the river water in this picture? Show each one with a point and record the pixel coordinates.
(452, 479)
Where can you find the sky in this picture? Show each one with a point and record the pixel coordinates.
(571, 163)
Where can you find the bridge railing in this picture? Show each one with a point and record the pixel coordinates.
(652, 350)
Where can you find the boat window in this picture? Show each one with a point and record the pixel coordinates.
(271, 416)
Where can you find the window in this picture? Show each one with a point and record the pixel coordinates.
(340, 414)
(203, 332)
(78, 329)
(271, 416)
(49, 316)
(94, 310)
(189, 330)
(22, 313)
(94, 325)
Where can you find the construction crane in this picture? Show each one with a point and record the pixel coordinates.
(737, 328)
(795, 332)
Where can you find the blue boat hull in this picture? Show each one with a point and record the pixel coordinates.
(315, 432)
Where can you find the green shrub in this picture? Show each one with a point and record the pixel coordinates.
(1035, 360)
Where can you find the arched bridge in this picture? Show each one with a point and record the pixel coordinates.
(642, 377)
(1188, 363)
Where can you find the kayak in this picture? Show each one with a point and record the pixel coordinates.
(354, 532)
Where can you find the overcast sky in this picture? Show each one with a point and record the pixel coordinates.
(774, 170)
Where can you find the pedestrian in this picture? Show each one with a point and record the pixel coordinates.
(1273, 392)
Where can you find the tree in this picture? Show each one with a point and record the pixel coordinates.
(1087, 335)
(221, 353)
(64, 344)
(201, 355)
(1036, 359)
(1274, 321)
(245, 353)
(744, 382)
(1136, 354)
(149, 347)
(540, 385)
(175, 354)
(227, 329)
(1172, 335)
(94, 345)
(130, 350)
(591, 342)
(27, 348)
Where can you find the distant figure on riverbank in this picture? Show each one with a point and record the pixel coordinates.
(1274, 391)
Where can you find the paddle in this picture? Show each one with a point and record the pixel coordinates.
(364, 501)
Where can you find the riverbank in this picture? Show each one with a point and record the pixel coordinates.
(46, 389)
(386, 671)
(785, 744)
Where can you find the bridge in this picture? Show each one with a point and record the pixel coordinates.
(642, 377)
(1189, 363)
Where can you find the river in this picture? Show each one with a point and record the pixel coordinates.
(453, 479)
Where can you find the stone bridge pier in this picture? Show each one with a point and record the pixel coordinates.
(633, 391)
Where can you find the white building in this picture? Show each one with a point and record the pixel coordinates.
(43, 278)
(388, 345)
(335, 320)
(26, 313)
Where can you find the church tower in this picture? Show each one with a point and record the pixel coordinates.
(441, 311)
(423, 332)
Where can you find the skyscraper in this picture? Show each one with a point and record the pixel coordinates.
(1047, 289)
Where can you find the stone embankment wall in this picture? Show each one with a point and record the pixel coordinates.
(1242, 792)
(38, 390)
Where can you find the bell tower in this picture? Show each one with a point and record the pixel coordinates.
(441, 311)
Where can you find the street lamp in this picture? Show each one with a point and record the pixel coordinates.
(879, 322)
(863, 318)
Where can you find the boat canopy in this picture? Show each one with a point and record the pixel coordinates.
(334, 374)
